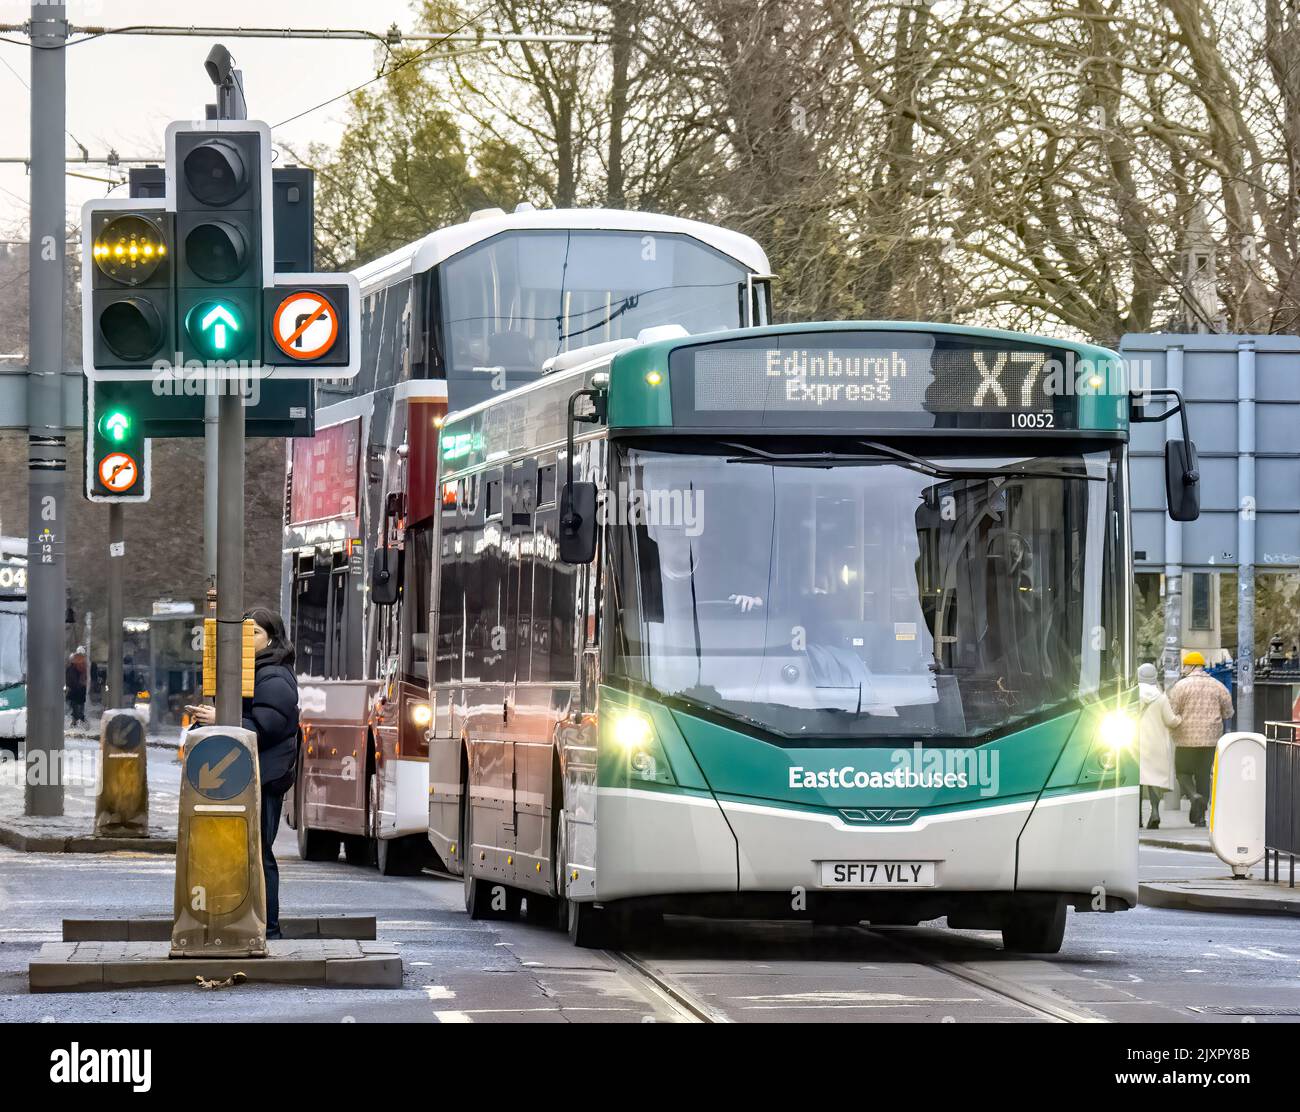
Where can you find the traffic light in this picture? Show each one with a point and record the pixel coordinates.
(174, 284)
(129, 318)
(222, 174)
(117, 451)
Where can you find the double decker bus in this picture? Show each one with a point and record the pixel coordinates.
(463, 314)
(824, 621)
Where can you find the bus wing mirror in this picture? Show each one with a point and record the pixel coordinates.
(1182, 480)
(578, 523)
(384, 576)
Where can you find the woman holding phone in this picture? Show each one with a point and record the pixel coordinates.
(272, 714)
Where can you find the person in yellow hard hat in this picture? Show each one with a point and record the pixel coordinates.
(1203, 705)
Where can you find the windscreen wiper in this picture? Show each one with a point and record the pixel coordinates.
(974, 472)
(820, 459)
(880, 453)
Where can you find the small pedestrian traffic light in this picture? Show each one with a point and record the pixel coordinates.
(117, 455)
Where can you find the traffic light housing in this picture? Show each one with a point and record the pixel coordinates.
(129, 318)
(221, 182)
(117, 451)
(182, 288)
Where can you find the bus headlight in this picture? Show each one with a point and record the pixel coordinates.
(421, 715)
(633, 734)
(1117, 732)
(632, 730)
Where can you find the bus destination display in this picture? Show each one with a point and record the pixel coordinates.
(908, 379)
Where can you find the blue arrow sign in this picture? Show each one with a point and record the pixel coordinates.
(219, 767)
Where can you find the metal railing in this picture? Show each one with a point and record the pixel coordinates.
(1282, 796)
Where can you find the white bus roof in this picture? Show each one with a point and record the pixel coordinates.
(419, 256)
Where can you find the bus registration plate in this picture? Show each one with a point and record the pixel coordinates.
(877, 874)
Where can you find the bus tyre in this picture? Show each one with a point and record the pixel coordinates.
(357, 849)
(397, 857)
(590, 927)
(1036, 929)
(317, 845)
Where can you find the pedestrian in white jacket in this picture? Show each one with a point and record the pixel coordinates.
(1155, 742)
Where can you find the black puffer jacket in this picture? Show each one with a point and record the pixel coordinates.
(272, 713)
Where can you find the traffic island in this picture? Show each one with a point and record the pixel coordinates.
(68, 835)
(1221, 893)
(74, 830)
(304, 963)
(360, 928)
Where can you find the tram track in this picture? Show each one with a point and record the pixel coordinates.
(666, 991)
(1052, 1011)
(685, 1007)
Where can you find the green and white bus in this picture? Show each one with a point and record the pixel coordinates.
(821, 621)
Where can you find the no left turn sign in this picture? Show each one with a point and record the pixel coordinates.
(305, 325)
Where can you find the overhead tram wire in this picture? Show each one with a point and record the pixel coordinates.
(391, 38)
(384, 74)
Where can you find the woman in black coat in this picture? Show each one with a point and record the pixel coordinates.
(272, 714)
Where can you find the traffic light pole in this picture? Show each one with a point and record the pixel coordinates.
(229, 494)
(47, 583)
(230, 560)
(115, 681)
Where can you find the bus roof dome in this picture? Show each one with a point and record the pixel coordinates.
(589, 354)
(438, 246)
(661, 332)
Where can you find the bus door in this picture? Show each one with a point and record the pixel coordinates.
(529, 727)
(488, 717)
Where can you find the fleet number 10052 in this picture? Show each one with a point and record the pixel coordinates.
(1033, 420)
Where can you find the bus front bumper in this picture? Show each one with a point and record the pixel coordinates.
(1082, 844)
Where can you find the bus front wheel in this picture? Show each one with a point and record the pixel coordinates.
(398, 857)
(1038, 928)
(317, 845)
(588, 926)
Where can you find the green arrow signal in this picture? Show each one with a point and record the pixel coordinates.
(114, 426)
(214, 327)
(218, 319)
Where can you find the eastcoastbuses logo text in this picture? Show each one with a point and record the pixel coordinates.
(916, 767)
(850, 777)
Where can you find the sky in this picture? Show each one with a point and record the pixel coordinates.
(124, 89)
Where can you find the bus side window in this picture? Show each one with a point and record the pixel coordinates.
(546, 485)
(451, 605)
(415, 608)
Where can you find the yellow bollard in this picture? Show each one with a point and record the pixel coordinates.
(220, 900)
(122, 804)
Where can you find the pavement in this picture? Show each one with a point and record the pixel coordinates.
(74, 830)
(1215, 888)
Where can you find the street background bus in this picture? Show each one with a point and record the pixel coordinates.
(13, 643)
(465, 313)
(832, 622)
